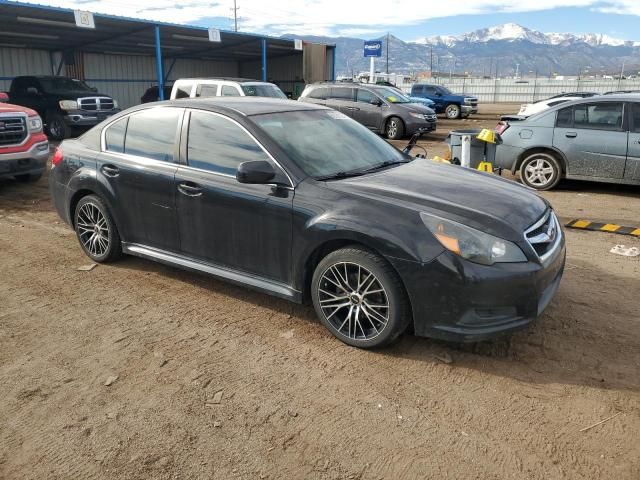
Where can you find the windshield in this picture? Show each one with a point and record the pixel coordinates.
(263, 91)
(63, 84)
(391, 95)
(325, 142)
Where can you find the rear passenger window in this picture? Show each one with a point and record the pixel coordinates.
(600, 116)
(565, 118)
(217, 144)
(152, 133)
(184, 91)
(114, 136)
(635, 115)
(229, 91)
(207, 91)
(342, 93)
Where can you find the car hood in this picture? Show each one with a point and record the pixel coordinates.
(73, 95)
(414, 107)
(486, 202)
(10, 108)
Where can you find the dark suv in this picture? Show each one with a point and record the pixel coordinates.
(380, 108)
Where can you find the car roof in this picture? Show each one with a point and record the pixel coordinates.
(244, 105)
(221, 79)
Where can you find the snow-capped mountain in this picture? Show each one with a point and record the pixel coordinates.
(515, 32)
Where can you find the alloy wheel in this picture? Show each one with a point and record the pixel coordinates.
(539, 172)
(93, 230)
(353, 300)
(56, 128)
(452, 112)
(392, 129)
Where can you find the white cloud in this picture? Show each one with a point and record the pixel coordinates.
(326, 17)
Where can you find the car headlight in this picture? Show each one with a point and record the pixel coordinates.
(34, 124)
(68, 105)
(417, 115)
(472, 244)
(468, 100)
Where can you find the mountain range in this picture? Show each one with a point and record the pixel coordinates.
(504, 49)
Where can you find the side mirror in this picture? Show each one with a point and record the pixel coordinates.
(4, 97)
(256, 171)
(32, 91)
(376, 101)
(438, 94)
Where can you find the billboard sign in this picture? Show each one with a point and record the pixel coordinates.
(373, 48)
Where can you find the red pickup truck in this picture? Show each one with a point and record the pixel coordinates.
(24, 148)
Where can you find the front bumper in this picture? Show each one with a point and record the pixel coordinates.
(413, 126)
(457, 300)
(467, 110)
(30, 161)
(87, 118)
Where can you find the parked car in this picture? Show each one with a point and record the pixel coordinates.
(224, 87)
(422, 101)
(65, 104)
(24, 148)
(452, 104)
(588, 139)
(152, 94)
(382, 109)
(528, 109)
(300, 201)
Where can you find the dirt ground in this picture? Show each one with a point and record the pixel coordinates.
(212, 381)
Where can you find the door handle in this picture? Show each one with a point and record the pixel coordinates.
(110, 170)
(571, 134)
(189, 189)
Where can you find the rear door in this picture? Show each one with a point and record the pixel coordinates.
(593, 138)
(632, 169)
(366, 110)
(138, 166)
(317, 95)
(341, 99)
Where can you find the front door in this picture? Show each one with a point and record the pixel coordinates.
(224, 222)
(593, 138)
(138, 166)
(368, 109)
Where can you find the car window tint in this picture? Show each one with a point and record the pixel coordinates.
(114, 136)
(565, 118)
(601, 116)
(635, 114)
(319, 93)
(342, 93)
(184, 91)
(365, 96)
(430, 90)
(217, 144)
(152, 133)
(229, 91)
(207, 91)
(418, 89)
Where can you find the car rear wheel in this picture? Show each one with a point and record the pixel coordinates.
(452, 111)
(360, 298)
(96, 230)
(395, 128)
(541, 171)
(57, 128)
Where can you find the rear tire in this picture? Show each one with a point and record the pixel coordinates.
(540, 170)
(96, 230)
(359, 298)
(453, 111)
(394, 128)
(29, 177)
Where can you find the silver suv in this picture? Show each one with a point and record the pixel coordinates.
(379, 108)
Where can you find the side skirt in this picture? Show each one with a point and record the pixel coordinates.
(254, 282)
(621, 181)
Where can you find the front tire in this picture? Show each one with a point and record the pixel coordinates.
(540, 170)
(453, 111)
(57, 128)
(359, 298)
(96, 230)
(394, 128)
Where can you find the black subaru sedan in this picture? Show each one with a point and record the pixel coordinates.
(302, 202)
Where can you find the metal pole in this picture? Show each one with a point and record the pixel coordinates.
(333, 65)
(264, 59)
(621, 75)
(431, 63)
(235, 15)
(159, 73)
(387, 56)
(372, 69)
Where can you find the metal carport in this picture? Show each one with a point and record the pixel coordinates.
(124, 56)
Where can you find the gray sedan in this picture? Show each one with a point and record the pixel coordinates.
(595, 139)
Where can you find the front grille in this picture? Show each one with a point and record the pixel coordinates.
(96, 104)
(431, 118)
(13, 130)
(544, 235)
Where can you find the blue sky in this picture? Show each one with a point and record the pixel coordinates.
(406, 19)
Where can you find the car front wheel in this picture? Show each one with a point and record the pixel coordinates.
(360, 298)
(96, 230)
(395, 129)
(541, 171)
(452, 111)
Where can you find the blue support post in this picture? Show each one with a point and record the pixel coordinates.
(264, 59)
(159, 64)
(333, 65)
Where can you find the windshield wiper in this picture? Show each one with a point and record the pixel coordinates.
(339, 175)
(385, 164)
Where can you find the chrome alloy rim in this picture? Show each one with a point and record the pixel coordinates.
(452, 112)
(392, 130)
(353, 301)
(539, 172)
(93, 229)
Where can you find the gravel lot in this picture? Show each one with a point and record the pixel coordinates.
(209, 380)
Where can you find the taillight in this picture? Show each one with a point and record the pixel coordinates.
(501, 127)
(57, 157)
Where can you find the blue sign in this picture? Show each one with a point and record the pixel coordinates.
(373, 48)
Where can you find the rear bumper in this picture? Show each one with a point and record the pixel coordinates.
(30, 161)
(457, 300)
